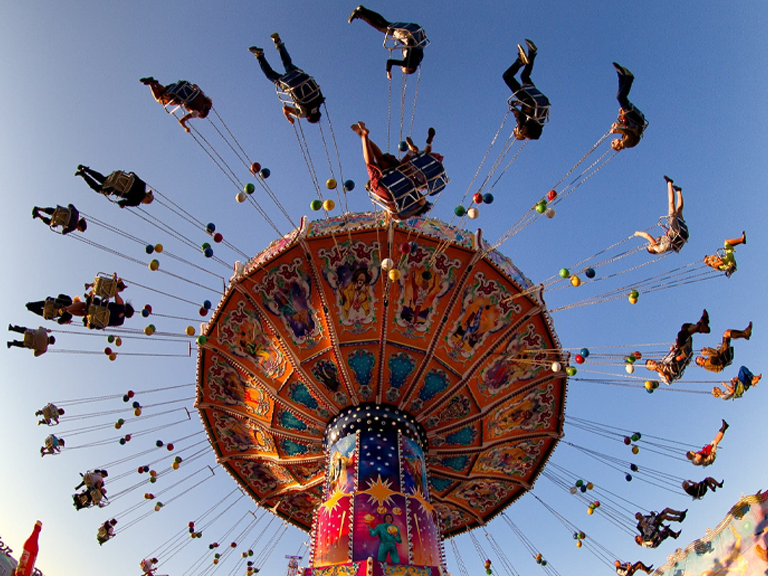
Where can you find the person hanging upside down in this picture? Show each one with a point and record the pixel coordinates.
(106, 531)
(697, 489)
(631, 123)
(413, 51)
(727, 261)
(181, 93)
(92, 479)
(717, 359)
(655, 519)
(707, 455)
(651, 527)
(377, 163)
(738, 385)
(68, 218)
(676, 230)
(36, 339)
(299, 85)
(672, 366)
(129, 188)
(50, 414)
(531, 107)
(628, 569)
(654, 538)
(53, 445)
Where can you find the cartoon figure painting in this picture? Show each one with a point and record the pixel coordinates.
(389, 536)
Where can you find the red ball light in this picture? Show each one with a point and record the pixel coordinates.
(552, 195)
(169, 447)
(203, 312)
(579, 359)
(131, 394)
(148, 308)
(405, 247)
(218, 237)
(255, 168)
(477, 198)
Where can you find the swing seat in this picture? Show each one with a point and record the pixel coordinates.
(98, 498)
(522, 99)
(51, 310)
(401, 34)
(118, 183)
(298, 87)
(104, 286)
(97, 317)
(60, 219)
(677, 366)
(677, 238)
(409, 183)
(182, 93)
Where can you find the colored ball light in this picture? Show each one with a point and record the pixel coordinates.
(159, 443)
(137, 412)
(459, 211)
(394, 274)
(207, 304)
(192, 523)
(634, 294)
(136, 405)
(590, 485)
(249, 188)
(635, 449)
(264, 173)
(152, 480)
(589, 273)
(159, 248)
(208, 252)
(122, 441)
(579, 359)
(110, 338)
(203, 311)
(349, 185)
(590, 511)
(190, 331)
(330, 184)
(552, 195)
(316, 205)
(118, 341)
(633, 467)
(579, 483)
(488, 198)
(549, 212)
(148, 308)
(169, 447)
(402, 146)
(387, 264)
(149, 249)
(217, 237)
(648, 385)
(255, 167)
(145, 313)
(575, 281)
(633, 300)
(629, 368)
(564, 272)
(329, 205)
(405, 248)
(175, 466)
(177, 459)
(107, 350)
(125, 398)
(233, 545)
(210, 228)
(128, 437)
(583, 489)
(627, 441)
(473, 212)
(571, 371)
(584, 352)
(578, 544)
(204, 246)
(120, 421)
(414, 245)
(556, 367)
(636, 436)
(149, 330)
(628, 477)
(112, 357)
(240, 197)
(597, 505)
(154, 265)
(477, 198)
(631, 359)
(637, 355)
(201, 340)
(541, 207)
(426, 275)
(118, 425)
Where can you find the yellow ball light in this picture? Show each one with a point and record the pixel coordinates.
(648, 385)
(159, 248)
(394, 274)
(330, 184)
(190, 331)
(575, 281)
(633, 300)
(154, 265)
(590, 511)
(635, 449)
(118, 341)
(329, 205)
(578, 543)
(113, 357)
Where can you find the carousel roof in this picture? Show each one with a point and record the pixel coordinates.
(454, 334)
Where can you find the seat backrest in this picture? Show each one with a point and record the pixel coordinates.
(118, 183)
(97, 317)
(402, 34)
(182, 91)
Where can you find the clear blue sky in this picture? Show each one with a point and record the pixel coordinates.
(71, 95)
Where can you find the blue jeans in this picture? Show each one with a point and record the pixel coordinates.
(287, 64)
